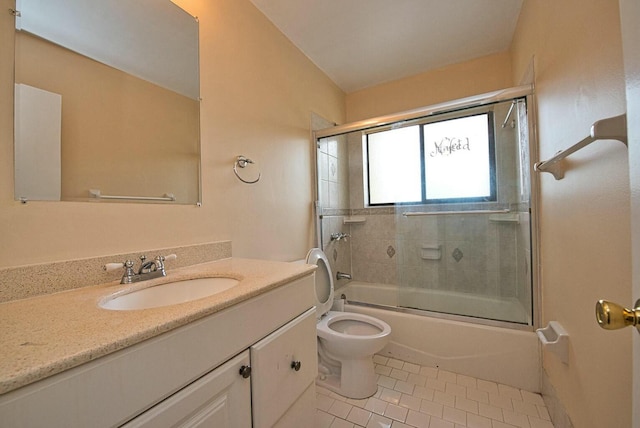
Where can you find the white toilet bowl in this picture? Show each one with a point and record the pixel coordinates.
(347, 341)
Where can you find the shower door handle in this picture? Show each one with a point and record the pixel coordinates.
(612, 316)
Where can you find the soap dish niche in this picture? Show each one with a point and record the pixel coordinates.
(430, 252)
(555, 339)
(355, 219)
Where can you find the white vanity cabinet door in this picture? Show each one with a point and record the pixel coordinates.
(279, 392)
(220, 399)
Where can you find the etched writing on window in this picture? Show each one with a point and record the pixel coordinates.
(458, 167)
(450, 145)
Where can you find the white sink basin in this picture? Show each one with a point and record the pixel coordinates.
(168, 294)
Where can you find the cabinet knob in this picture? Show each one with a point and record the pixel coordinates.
(245, 371)
(296, 365)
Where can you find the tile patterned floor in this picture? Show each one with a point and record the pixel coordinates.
(413, 396)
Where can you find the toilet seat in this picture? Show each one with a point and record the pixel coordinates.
(324, 301)
(324, 281)
(324, 326)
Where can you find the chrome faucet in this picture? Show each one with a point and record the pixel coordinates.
(342, 275)
(148, 269)
(339, 235)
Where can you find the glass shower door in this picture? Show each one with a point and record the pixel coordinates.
(474, 259)
(465, 251)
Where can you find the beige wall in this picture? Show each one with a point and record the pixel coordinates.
(473, 77)
(258, 93)
(584, 217)
(585, 243)
(121, 134)
(630, 16)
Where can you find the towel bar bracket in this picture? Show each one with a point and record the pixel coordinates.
(613, 128)
(555, 168)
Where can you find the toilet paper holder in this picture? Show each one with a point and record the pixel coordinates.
(556, 339)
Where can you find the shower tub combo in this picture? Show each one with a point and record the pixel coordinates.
(453, 278)
(503, 355)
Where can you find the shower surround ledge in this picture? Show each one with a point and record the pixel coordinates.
(22, 282)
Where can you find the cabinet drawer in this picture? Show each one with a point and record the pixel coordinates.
(275, 382)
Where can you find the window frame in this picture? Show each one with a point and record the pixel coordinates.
(491, 135)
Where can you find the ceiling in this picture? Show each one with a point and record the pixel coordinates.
(362, 43)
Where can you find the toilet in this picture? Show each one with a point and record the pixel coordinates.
(347, 341)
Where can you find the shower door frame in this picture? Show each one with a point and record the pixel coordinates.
(525, 91)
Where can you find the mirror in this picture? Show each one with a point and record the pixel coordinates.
(107, 101)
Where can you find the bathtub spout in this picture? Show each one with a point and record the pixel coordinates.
(342, 275)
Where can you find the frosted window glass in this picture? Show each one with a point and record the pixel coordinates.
(394, 166)
(457, 157)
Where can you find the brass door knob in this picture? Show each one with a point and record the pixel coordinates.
(612, 316)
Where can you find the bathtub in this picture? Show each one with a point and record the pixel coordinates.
(498, 354)
(440, 301)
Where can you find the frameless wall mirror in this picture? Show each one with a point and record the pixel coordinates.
(106, 101)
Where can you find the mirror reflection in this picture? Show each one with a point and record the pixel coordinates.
(107, 101)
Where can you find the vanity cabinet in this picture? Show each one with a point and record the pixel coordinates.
(191, 376)
(267, 382)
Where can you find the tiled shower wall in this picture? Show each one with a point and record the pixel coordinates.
(339, 253)
(463, 253)
(333, 197)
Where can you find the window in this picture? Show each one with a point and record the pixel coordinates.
(446, 161)
(395, 171)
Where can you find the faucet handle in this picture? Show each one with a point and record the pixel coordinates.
(128, 275)
(168, 257)
(161, 259)
(337, 236)
(113, 266)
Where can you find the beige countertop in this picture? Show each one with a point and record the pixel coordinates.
(45, 335)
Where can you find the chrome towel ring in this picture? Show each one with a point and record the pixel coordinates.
(242, 161)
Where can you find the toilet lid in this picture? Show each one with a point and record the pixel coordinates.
(324, 281)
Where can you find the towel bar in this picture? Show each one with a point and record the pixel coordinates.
(168, 197)
(613, 128)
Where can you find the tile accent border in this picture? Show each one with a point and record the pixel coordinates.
(33, 280)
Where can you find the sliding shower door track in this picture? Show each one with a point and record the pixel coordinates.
(447, 316)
